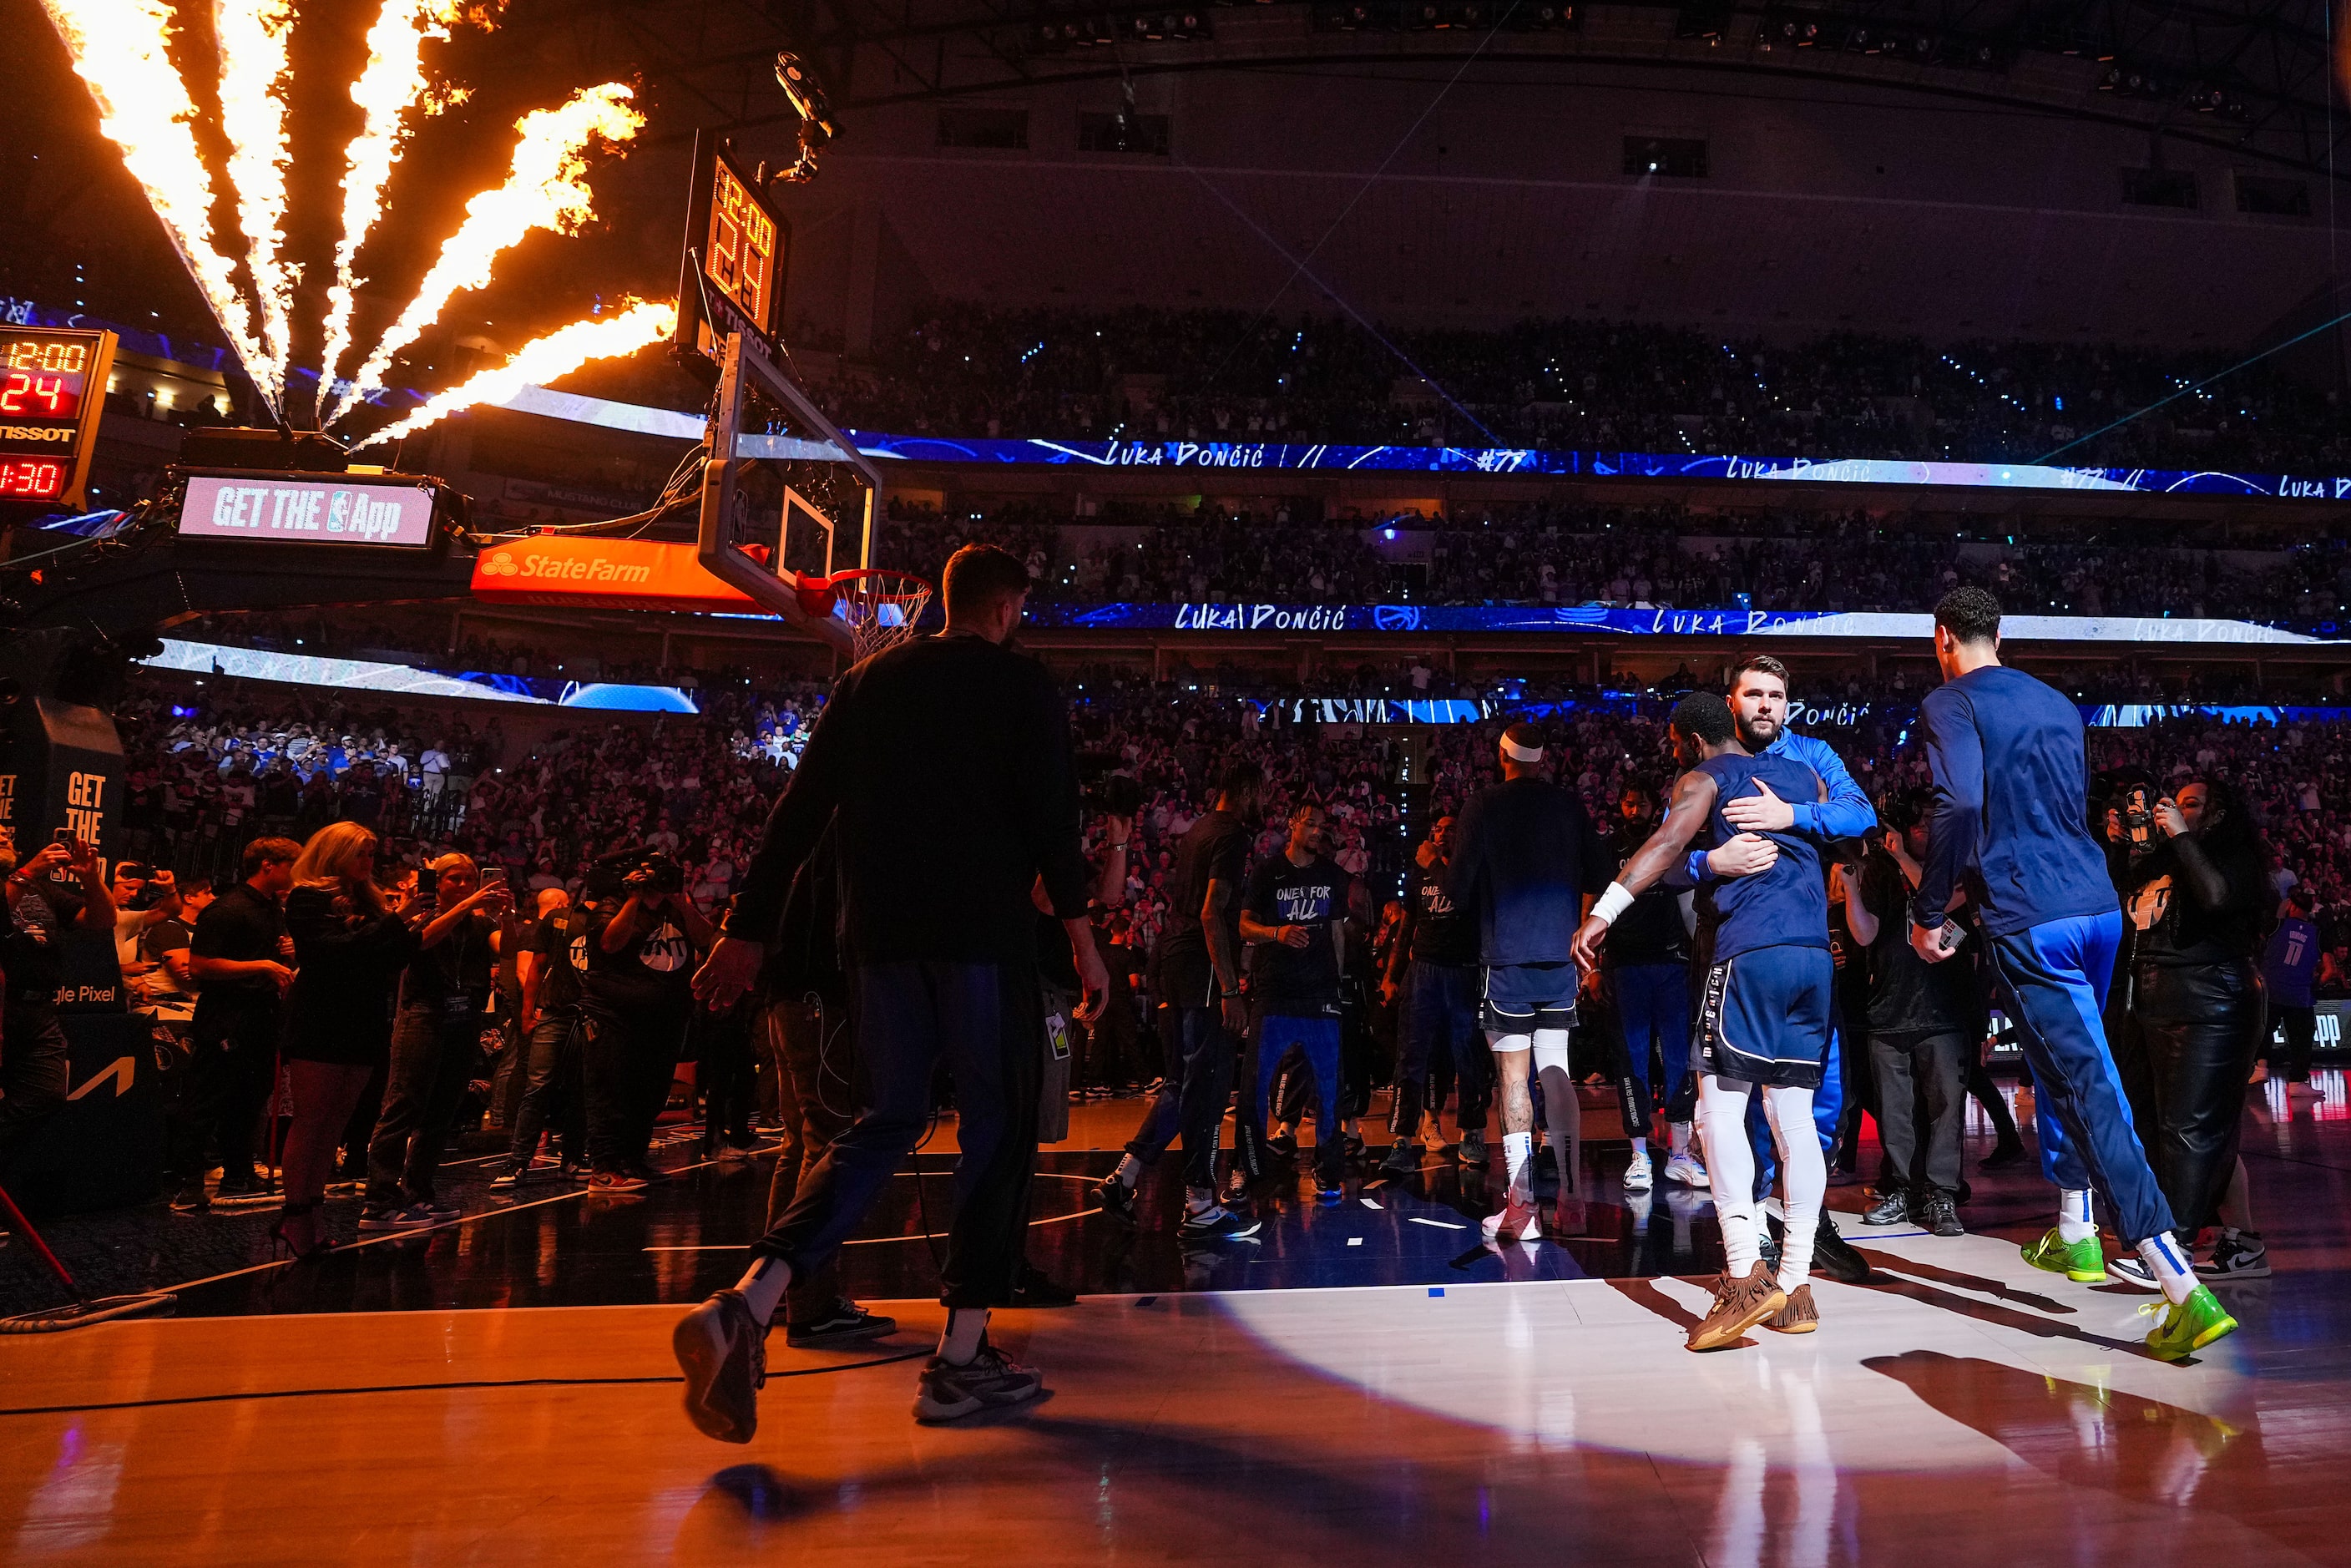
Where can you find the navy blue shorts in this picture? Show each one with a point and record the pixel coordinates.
(1765, 1017)
(1523, 997)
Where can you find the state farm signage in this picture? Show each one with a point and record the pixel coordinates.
(556, 568)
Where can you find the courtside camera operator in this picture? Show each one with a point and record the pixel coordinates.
(642, 936)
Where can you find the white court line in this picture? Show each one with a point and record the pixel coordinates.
(1367, 1203)
(1439, 1224)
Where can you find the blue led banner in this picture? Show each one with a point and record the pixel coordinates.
(1325, 618)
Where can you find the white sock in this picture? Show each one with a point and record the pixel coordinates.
(1640, 1148)
(2171, 1268)
(1129, 1172)
(764, 1285)
(2073, 1220)
(1806, 1173)
(1517, 1149)
(1678, 1138)
(1562, 1111)
(960, 1340)
(1722, 1108)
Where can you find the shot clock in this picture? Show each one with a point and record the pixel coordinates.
(52, 389)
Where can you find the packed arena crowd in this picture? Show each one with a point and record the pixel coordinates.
(1141, 374)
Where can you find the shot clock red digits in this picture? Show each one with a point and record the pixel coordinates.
(41, 395)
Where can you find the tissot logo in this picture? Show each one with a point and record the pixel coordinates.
(63, 434)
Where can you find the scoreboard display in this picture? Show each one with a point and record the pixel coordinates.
(736, 251)
(52, 390)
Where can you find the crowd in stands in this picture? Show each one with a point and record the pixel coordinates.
(1143, 374)
(1627, 556)
(206, 776)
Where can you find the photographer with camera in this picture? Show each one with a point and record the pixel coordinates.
(58, 888)
(547, 964)
(642, 936)
(2196, 894)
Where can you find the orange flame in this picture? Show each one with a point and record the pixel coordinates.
(543, 190)
(392, 84)
(254, 36)
(545, 359)
(119, 49)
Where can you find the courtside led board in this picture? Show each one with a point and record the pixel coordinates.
(52, 390)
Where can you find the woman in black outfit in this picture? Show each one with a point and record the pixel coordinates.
(349, 950)
(2198, 906)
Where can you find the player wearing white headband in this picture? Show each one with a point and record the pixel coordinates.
(1529, 863)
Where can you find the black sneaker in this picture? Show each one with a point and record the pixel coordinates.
(723, 1351)
(1833, 1257)
(385, 1216)
(1236, 1187)
(844, 1323)
(191, 1200)
(1032, 1286)
(511, 1175)
(1403, 1160)
(989, 1381)
(1892, 1207)
(1116, 1199)
(1472, 1152)
(1283, 1143)
(2007, 1152)
(1216, 1223)
(2238, 1257)
(1941, 1216)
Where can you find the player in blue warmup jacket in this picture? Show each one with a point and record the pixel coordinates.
(2010, 817)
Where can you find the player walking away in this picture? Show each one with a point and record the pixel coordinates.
(1758, 705)
(1295, 912)
(1527, 863)
(1436, 953)
(946, 764)
(1925, 1023)
(2010, 816)
(1764, 1018)
(1646, 975)
(1199, 961)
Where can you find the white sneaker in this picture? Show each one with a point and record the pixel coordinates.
(1636, 1174)
(1685, 1169)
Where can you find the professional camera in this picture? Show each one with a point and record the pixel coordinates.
(654, 875)
(151, 892)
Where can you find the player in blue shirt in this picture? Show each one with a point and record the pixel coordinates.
(1764, 1020)
(2010, 815)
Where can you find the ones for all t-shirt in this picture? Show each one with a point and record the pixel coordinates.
(1290, 982)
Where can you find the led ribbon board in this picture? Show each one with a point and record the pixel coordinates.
(52, 390)
(391, 512)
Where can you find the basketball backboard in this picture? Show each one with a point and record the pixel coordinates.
(785, 495)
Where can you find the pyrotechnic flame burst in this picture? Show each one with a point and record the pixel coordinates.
(543, 190)
(392, 84)
(252, 36)
(120, 50)
(543, 359)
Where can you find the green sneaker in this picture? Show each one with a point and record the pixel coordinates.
(2188, 1327)
(2082, 1261)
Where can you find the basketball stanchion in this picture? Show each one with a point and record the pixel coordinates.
(84, 1310)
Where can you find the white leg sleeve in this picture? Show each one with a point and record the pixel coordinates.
(1731, 1169)
(1805, 1174)
(1562, 1111)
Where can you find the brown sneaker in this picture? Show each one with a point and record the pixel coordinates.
(1738, 1305)
(723, 1351)
(1799, 1316)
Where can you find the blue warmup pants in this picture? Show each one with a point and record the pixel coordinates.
(2051, 981)
(1440, 1016)
(1277, 1035)
(1652, 1005)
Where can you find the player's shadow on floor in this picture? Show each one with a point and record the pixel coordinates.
(1899, 1263)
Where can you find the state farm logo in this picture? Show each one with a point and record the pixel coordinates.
(500, 565)
(599, 569)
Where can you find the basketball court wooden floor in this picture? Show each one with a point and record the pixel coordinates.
(1961, 1409)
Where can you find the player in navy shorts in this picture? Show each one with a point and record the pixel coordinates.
(1763, 1020)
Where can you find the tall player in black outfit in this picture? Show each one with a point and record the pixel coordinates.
(946, 763)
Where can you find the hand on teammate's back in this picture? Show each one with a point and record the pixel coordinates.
(1742, 856)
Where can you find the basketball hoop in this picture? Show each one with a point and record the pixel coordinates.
(881, 606)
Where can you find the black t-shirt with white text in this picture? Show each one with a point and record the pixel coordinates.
(650, 975)
(1441, 932)
(1291, 982)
